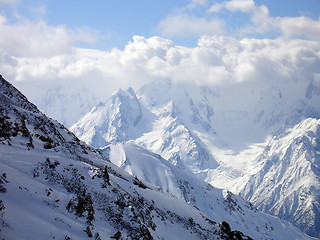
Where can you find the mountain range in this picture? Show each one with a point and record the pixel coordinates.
(53, 185)
(259, 143)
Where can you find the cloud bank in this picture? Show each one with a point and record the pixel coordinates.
(216, 61)
(65, 81)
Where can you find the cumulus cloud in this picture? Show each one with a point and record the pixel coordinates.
(90, 76)
(36, 38)
(299, 26)
(215, 60)
(262, 22)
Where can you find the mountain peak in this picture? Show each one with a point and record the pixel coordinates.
(115, 120)
(129, 93)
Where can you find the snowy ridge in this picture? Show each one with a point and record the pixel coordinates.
(177, 144)
(147, 166)
(288, 184)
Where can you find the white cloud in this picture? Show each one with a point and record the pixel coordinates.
(262, 22)
(49, 70)
(216, 7)
(246, 6)
(185, 25)
(300, 26)
(33, 38)
(240, 5)
(223, 58)
(216, 60)
(42, 62)
(36, 38)
(259, 15)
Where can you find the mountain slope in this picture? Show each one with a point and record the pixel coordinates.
(54, 186)
(288, 185)
(217, 204)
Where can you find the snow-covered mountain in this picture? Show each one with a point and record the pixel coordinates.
(116, 120)
(216, 133)
(123, 117)
(54, 186)
(288, 183)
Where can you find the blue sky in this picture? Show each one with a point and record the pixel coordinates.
(111, 23)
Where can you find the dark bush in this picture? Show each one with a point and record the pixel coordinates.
(45, 139)
(2, 207)
(88, 231)
(145, 232)
(137, 182)
(117, 235)
(225, 227)
(47, 146)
